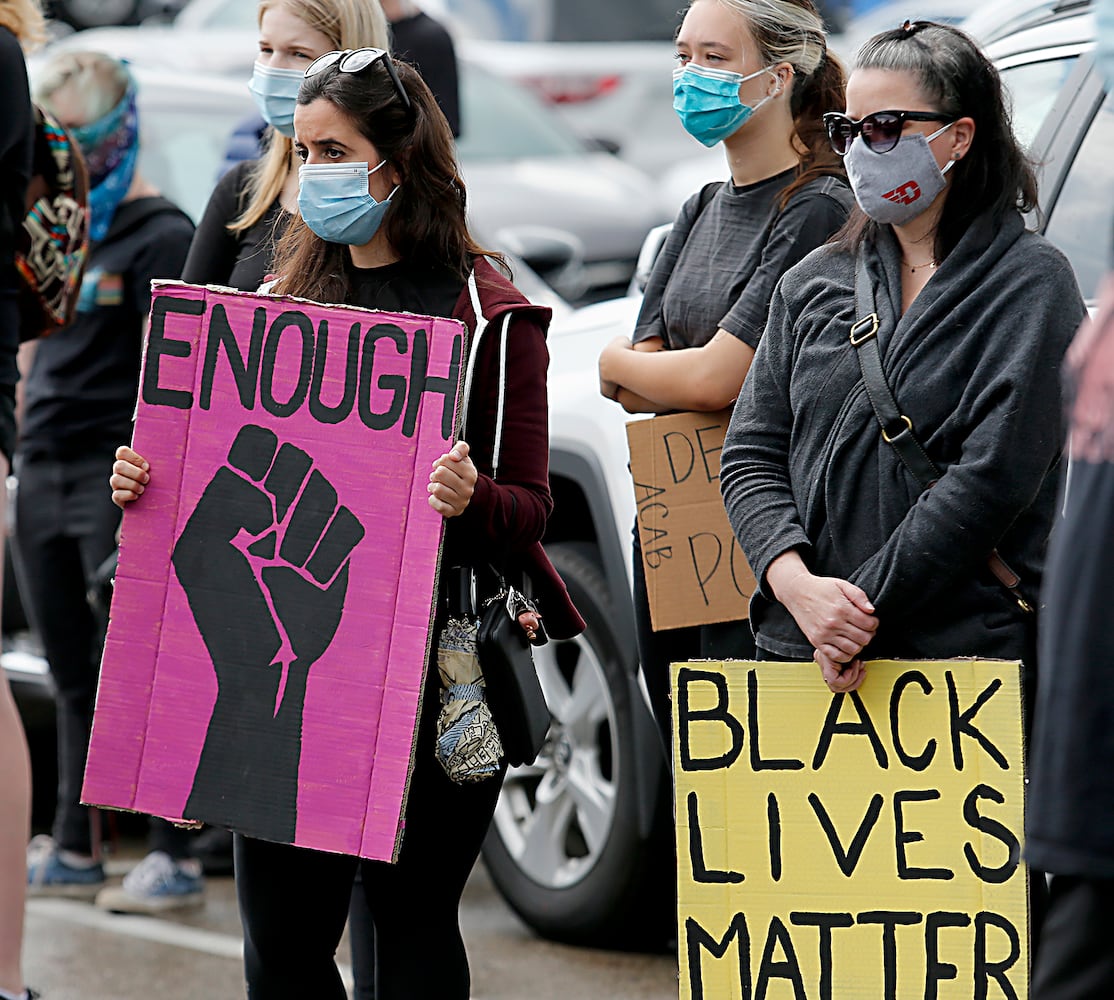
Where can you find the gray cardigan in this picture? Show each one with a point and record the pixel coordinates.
(975, 364)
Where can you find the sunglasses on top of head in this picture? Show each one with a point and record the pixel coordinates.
(880, 131)
(356, 61)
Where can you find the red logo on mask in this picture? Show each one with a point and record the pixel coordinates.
(904, 194)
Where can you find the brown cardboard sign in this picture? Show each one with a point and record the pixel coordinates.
(695, 571)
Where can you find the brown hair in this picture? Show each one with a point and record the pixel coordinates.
(426, 219)
(348, 24)
(960, 81)
(792, 31)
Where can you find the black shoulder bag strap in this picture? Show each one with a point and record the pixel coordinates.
(897, 427)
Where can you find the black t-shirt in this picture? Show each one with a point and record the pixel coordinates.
(82, 387)
(428, 47)
(719, 265)
(406, 287)
(238, 260)
(16, 146)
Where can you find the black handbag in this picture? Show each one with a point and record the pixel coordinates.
(514, 693)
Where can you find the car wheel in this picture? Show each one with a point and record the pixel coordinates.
(565, 848)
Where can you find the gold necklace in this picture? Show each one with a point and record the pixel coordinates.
(914, 268)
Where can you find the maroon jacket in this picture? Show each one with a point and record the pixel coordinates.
(506, 518)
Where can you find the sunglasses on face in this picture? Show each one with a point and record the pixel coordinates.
(880, 131)
(356, 61)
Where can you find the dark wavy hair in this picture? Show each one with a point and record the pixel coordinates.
(958, 80)
(426, 219)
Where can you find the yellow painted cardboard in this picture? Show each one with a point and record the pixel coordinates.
(850, 846)
(695, 571)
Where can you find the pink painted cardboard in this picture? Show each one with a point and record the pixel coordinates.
(217, 362)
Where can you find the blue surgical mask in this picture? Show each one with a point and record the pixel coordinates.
(334, 201)
(276, 92)
(707, 101)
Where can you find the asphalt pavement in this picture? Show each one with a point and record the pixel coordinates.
(75, 952)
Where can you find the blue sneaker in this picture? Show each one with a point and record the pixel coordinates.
(157, 884)
(52, 872)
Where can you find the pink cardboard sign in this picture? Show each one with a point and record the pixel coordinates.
(272, 613)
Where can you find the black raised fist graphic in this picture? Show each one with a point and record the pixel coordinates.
(263, 561)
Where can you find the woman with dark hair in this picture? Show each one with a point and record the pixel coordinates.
(756, 76)
(893, 482)
(382, 225)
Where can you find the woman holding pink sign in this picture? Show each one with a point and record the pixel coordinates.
(382, 226)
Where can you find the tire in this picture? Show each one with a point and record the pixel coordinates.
(564, 849)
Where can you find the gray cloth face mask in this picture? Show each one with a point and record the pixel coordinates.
(895, 187)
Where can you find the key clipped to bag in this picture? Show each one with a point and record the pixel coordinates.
(510, 626)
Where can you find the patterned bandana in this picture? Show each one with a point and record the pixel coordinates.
(111, 148)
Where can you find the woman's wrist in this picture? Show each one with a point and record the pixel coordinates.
(784, 573)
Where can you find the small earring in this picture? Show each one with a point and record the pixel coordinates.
(955, 156)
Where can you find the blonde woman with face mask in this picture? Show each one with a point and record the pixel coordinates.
(254, 201)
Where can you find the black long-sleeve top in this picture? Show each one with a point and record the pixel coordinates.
(975, 364)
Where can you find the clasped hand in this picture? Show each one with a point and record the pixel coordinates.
(836, 617)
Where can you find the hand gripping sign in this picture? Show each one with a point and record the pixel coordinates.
(271, 619)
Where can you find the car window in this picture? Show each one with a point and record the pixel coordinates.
(1082, 220)
(243, 16)
(182, 150)
(501, 121)
(1032, 88)
(568, 20)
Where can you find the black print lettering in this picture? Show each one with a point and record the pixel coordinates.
(321, 411)
(992, 828)
(788, 968)
(713, 554)
(757, 762)
(245, 373)
(773, 824)
(159, 345)
(696, 938)
(824, 923)
(986, 970)
(903, 836)
(890, 920)
(936, 970)
(739, 564)
(711, 470)
(302, 378)
(864, 727)
(304, 344)
(847, 860)
(686, 716)
(395, 384)
(925, 757)
(700, 871)
(961, 724)
(678, 470)
(424, 384)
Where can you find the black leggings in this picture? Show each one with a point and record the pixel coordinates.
(294, 902)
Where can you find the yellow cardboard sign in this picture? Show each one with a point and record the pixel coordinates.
(696, 572)
(864, 845)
